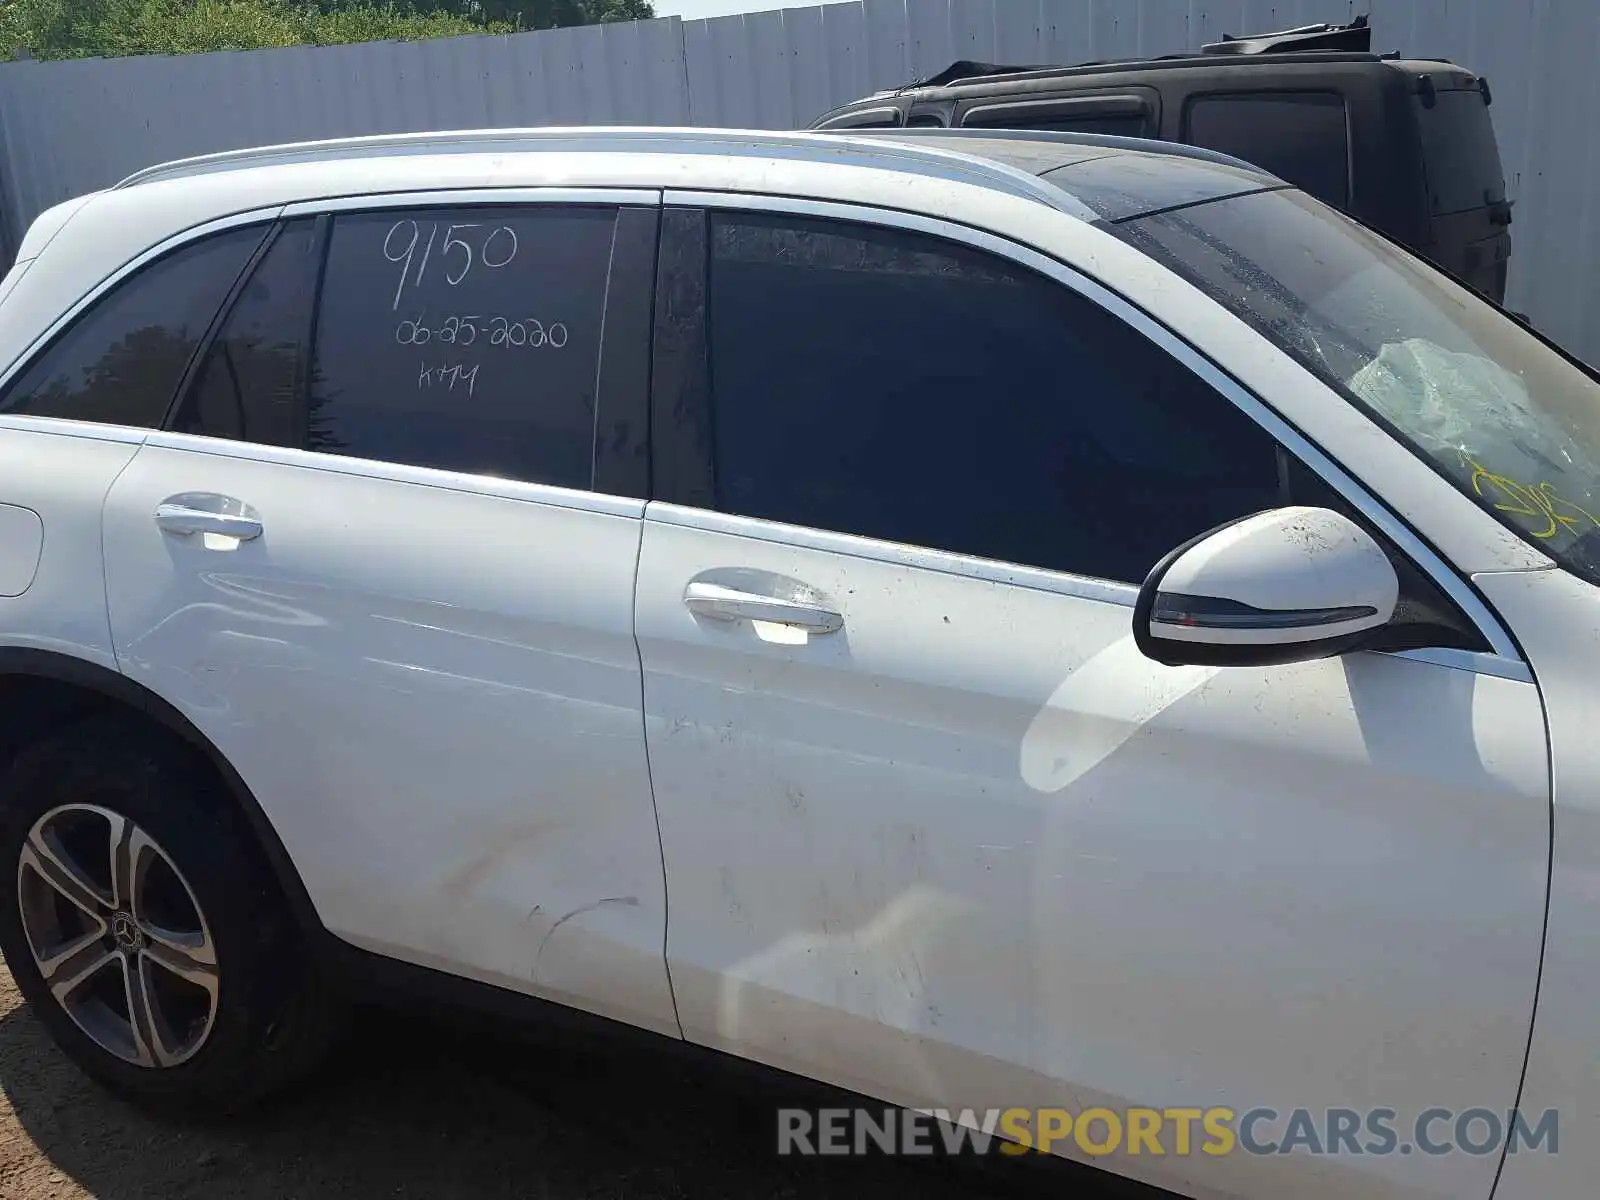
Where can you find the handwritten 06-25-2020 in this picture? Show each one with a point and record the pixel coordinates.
(465, 248)
(472, 328)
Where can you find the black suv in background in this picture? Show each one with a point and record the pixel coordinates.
(1404, 145)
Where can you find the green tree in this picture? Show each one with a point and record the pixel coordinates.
(82, 28)
(526, 14)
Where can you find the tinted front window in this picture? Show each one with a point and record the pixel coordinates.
(1459, 154)
(465, 339)
(1508, 419)
(897, 386)
(1298, 136)
(250, 384)
(122, 360)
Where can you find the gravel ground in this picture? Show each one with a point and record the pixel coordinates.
(414, 1108)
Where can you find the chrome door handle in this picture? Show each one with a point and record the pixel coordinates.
(183, 520)
(721, 603)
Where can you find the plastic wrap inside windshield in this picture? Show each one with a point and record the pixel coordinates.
(1503, 416)
(1475, 417)
(1455, 403)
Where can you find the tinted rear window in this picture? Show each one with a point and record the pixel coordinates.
(122, 360)
(248, 388)
(1459, 152)
(1299, 136)
(465, 339)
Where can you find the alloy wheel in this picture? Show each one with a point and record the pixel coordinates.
(118, 935)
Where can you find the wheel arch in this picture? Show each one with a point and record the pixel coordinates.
(68, 687)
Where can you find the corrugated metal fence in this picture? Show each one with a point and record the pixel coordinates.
(69, 127)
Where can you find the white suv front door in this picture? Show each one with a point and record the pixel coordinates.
(424, 666)
(936, 831)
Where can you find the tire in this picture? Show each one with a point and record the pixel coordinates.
(234, 1008)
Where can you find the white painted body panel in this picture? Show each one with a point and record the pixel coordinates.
(433, 692)
(971, 849)
(1557, 619)
(21, 542)
(60, 472)
(975, 850)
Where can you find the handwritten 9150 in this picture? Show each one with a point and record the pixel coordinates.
(457, 253)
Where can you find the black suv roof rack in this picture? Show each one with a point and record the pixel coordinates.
(1356, 36)
(1353, 39)
(965, 68)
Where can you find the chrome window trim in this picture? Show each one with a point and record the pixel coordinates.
(899, 554)
(193, 234)
(474, 196)
(1473, 661)
(69, 427)
(545, 494)
(1504, 659)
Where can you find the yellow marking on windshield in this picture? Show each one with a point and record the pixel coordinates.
(1538, 502)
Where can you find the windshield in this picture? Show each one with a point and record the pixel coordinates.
(1513, 423)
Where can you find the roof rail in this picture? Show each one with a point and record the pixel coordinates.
(1356, 36)
(1109, 140)
(834, 145)
(965, 68)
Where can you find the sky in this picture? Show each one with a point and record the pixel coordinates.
(690, 9)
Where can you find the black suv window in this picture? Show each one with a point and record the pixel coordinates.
(1123, 114)
(893, 385)
(1302, 137)
(254, 373)
(465, 338)
(882, 117)
(122, 360)
(1459, 152)
(1118, 124)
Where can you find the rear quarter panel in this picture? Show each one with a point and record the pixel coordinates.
(60, 471)
(54, 475)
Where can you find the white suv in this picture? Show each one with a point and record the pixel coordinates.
(1000, 621)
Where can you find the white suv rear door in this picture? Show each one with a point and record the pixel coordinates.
(384, 558)
(936, 831)
(73, 413)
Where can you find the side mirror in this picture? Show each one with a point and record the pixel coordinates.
(1282, 586)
